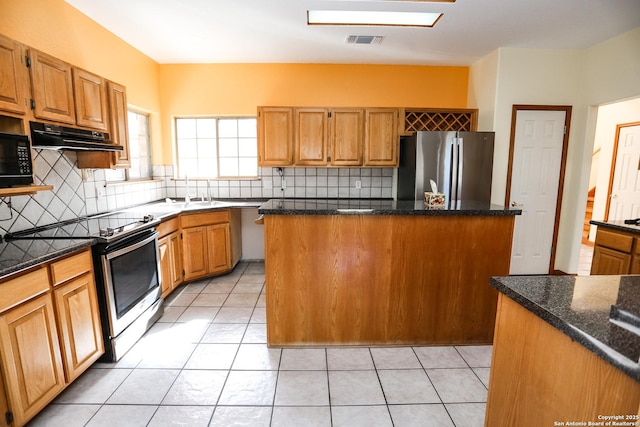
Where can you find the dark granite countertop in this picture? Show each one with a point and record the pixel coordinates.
(377, 207)
(18, 255)
(618, 225)
(583, 307)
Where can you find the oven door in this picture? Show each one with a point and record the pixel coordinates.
(131, 278)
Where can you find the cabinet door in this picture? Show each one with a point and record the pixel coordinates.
(635, 265)
(13, 72)
(275, 136)
(219, 248)
(608, 261)
(196, 260)
(381, 137)
(52, 88)
(170, 262)
(91, 99)
(175, 252)
(311, 136)
(79, 321)
(119, 131)
(347, 134)
(29, 345)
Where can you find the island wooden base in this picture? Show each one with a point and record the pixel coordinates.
(383, 279)
(541, 377)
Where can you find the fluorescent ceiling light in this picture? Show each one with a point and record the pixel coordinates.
(353, 17)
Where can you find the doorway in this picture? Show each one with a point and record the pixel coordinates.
(623, 201)
(537, 161)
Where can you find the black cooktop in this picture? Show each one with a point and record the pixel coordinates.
(104, 227)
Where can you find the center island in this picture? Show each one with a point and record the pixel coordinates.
(381, 272)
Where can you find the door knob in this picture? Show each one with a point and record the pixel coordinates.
(516, 205)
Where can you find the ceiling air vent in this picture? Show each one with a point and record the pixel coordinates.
(365, 39)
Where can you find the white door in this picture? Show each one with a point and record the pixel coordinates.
(624, 200)
(537, 158)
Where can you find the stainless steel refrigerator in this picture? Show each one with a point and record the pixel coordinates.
(461, 163)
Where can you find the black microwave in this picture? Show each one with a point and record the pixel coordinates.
(15, 160)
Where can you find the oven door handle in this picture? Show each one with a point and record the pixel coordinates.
(129, 245)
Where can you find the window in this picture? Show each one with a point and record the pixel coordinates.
(217, 147)
(139, 150)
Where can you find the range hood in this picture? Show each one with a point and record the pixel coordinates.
(53, 137)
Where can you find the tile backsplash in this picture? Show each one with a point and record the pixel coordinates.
(83, 192)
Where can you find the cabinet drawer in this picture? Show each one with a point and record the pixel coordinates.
(613, 240)
(70, 267)
(196, 220)
(167, 227)
(21, 288)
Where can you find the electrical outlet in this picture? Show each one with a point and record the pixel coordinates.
(358, 185)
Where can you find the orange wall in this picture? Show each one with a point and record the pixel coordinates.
(166, 91)
(57, 28)
(199, 89)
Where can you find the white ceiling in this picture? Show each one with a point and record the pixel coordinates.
(245, 31)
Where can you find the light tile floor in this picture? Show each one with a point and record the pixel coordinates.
(206, 363)
(584, 262)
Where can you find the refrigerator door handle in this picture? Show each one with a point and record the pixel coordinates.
(460, 166)
(452, 170)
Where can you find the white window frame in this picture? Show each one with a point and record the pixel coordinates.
(218, 156)
(125, 175)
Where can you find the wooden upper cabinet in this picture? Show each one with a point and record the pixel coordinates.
(118, 132)
(118, 112)
(346, 136)
(51, 88)
(90, 99)
(381, 137)
(13, 75)
(311, 136)
(275, 136)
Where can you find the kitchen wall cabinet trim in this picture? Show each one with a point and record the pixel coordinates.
(51, 88)
(14, 76)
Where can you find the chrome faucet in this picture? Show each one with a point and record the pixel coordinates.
(208, 191)
(187, 196)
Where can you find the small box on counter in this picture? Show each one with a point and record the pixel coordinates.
(434, 200)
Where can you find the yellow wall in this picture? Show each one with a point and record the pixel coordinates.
(198, 89)
(166, 91)
(55, 27)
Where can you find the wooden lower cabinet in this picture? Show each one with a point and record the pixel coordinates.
(211, 243)
(31, 358)
(541, 377)
(219, 248)
(615, 252)
(79, 321)
(49, 332)
(196, 261)
(383, 279)
(609, 261)
(170, 249)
